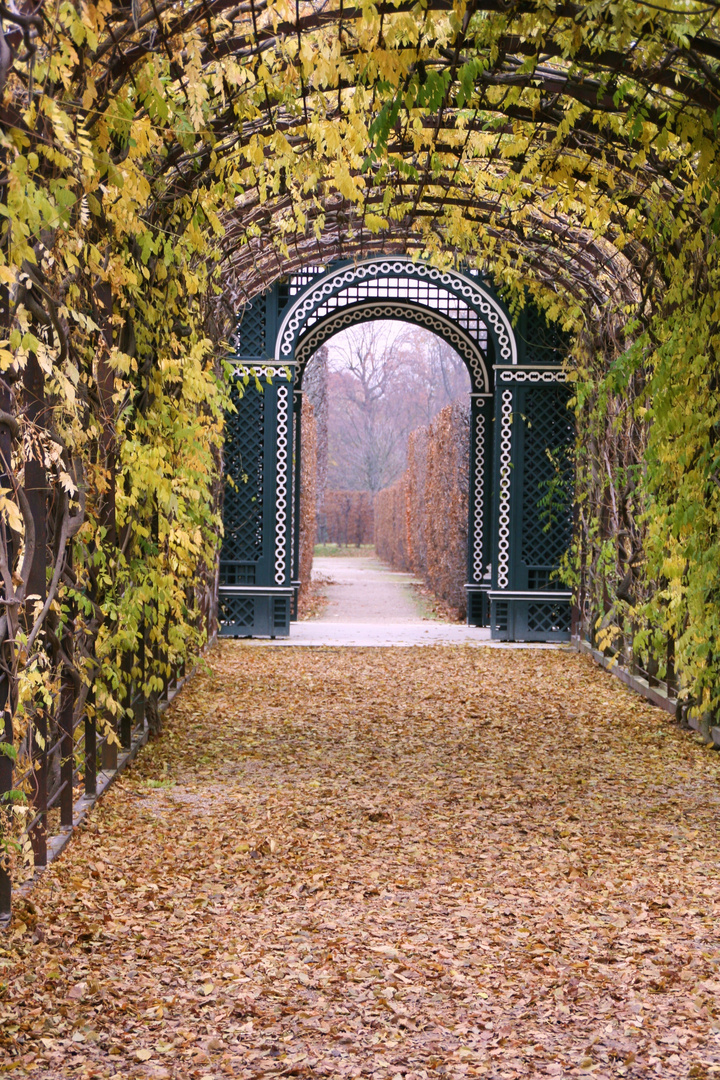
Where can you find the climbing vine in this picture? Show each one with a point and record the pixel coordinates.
(648, 472)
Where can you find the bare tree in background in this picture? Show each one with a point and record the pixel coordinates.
(385, 379)
(366, 428)
(436, 376)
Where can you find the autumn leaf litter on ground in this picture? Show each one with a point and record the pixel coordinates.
(438, 862)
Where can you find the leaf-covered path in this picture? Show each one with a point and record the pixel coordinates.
(393, 863)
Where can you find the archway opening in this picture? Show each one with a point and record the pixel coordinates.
(518, 491)
(385, 469)
(383, 380)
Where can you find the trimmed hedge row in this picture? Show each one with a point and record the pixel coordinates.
(349, 517)
(421, 520)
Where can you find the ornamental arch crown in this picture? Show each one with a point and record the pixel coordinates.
(464, 310)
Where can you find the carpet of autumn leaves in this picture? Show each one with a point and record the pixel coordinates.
(389, 863)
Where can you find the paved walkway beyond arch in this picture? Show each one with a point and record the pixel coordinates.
(371, 605)
(398, 864)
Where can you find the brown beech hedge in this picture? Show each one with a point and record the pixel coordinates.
(421, 520)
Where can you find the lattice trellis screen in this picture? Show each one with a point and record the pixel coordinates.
(425, 294)
(548, 618)
(545, 343)
(303, 278)
(238, 610)
(250, 339)
(243, 507)
(546, 509)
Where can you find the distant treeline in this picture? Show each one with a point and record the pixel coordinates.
(348, 518)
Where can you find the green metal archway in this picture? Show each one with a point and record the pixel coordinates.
(519, 506)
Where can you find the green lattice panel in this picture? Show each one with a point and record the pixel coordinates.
(243, 508)
(251, 335)
(546, 531)
(545, 343)
(237, 612)
(548, 619)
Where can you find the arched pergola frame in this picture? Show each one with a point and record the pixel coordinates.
(396, 311)
(515, 371)
(468, 290)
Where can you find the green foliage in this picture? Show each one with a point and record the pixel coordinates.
(657, 410)
(556, 492)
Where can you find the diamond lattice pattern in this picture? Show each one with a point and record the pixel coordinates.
(546, 531)
(251, 332)
(548, 618)
(243, 508)
(237, 610)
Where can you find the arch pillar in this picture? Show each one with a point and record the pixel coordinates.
(480, 509)
(296, 496)
(255, 591)
(531, 526)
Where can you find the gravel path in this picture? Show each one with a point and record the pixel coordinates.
(365, 591)
(370, 605)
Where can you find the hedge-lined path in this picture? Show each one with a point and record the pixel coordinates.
(388, 863)
(361, 589)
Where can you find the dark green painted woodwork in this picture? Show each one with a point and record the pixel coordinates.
(255, 591)
(546, 435)
(532, 520)
(520, 476)
(539, 342)
(244, 494)
(480, 493)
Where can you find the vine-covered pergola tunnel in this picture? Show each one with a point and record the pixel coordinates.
(168, 169)
(520, 447)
